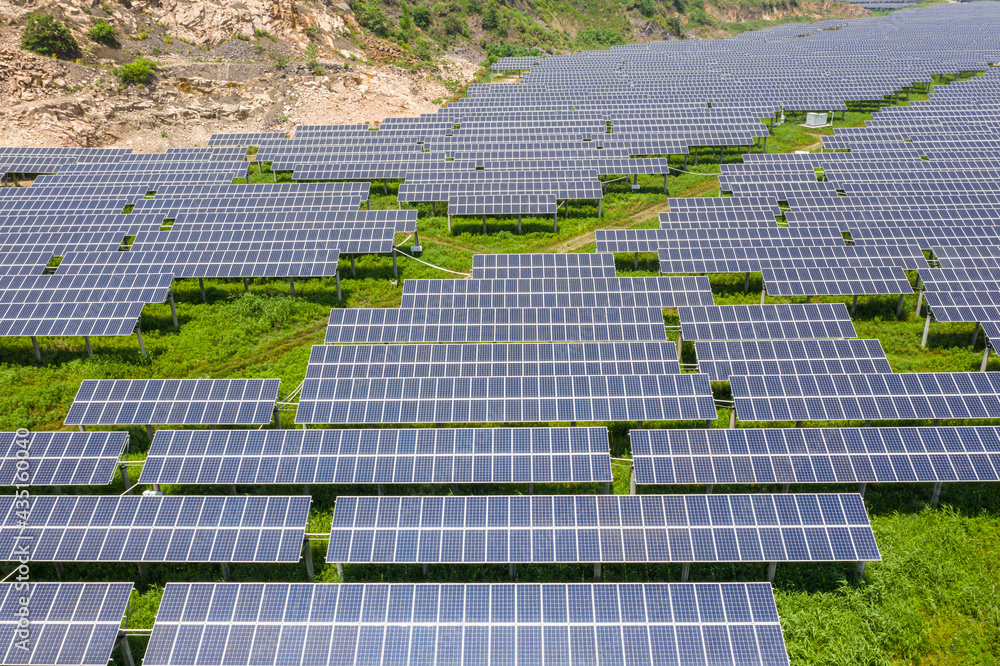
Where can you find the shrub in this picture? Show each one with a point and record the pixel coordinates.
(280, 60)
(453, 25)
(674, 26)
(496, 51)
(696, 13)
(103, 32)
(46, 36)
(646, 7)
(373, 18)
(600, 37)
(312, 61)
(422, 16)
(140, 70)
(491, 16)
(405, 21)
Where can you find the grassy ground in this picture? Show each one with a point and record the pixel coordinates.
(933, 600)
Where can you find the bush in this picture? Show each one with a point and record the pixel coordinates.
(312, 60)
(103, 32)
(674, 26)
(646, 7)
(46, 36)
(496, 51)
(422, 16)
(405, 21)
(600, 37)
(373, 18)
(140, 70)
(491, 16)
(453, 25)
(696, 13)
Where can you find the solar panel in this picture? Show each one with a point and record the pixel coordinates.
(418, 455)
(116, 528)
(835, 280)
(520, 266)
(721, 359)
(816, 455)
(513, 383)
(240, 624)
(495, 325)
(663, 292)
(174, 401)
(70, 623)
(60, 458)
(602, 528)
(929, 395)
(766, 322)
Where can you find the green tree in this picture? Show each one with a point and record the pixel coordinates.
(103, 32)
(491, 16)
(373, 18)
(405, 23)
(46, 36)
(423, 16)
(647, 7)
(453, 25)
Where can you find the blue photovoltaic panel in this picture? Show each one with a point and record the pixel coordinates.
(514, 383)
(663, 292)
(174, 402)
(70, 623)
(835, 281)
(416, 455)
(93, 528)
(519, 266)
(495, 325)
(766, 322)
(816, 455)
(601, 528)
(60, 458)
(721, 359)
(556, 624)
(928, 395)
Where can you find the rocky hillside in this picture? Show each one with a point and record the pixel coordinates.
(249, 65)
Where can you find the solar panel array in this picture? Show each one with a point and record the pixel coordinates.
(404, 623)
(604, 528)
(70, 623)
(766, 322)
(720, 360)
(174, 401)
(60, 458)
(95, 528)
(421, 455)
(816, 455)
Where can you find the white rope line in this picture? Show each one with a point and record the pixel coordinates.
(9, 575)
(409, 256)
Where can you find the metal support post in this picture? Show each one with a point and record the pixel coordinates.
(86, 341)
(291, 286)
(150, 431)
(854, 304)
(597, 571)
(808, 298)
(126, 482)
(201, 285)
(899, 306)
(771, 566)
(354, 272)
(708, 423)
(340, 570)
(665, 183)
(173, 311)
(484, 224)
(936, 494)
(607, 487)
(379, 487)
(38, 352)
(518, 224)
(798, 424)
(143, 571)
(975, 335)
(708, 489)
(531, 489)
(784, 487)
(338, 285)
(449, 221)
(764, 150)
(226, 576)
(232, 489)
(927, 330)
(920, 300)
(395, 267)
(512, 572)
(860, 571)
(276, 419)
(555, 221)
(638, 425)
(307, 553)
(763, 295)
(142, 345)
(732, 417)
(434, 209)
(685, 572)
(631, 481)
(124, 649)
(425, 569)
(861, 488)
(636, 261)
(746, 283)
(986, 358)
(59, 570)
(246, 286)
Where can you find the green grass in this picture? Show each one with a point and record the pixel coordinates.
(933, 600)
